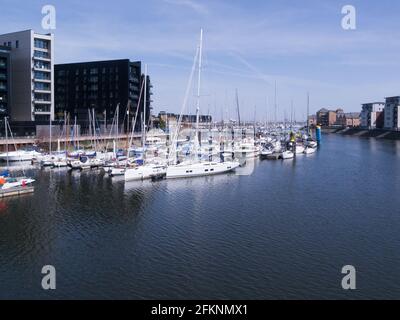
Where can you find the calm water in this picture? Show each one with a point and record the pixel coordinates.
(283, 232)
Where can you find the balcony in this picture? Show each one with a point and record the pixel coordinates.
(41, 44)
(41, 66)
(42, 77)
(42, 87)
(41, 98)
(42, 109)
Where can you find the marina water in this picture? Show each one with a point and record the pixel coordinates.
(283, 232)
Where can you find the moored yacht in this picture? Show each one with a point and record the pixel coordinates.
(206, 168)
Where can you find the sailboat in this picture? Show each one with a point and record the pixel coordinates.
(7, 182)
(195, 167)
(147, 170)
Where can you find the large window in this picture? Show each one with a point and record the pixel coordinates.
(41, 54)
(41, 75)
(41, 44)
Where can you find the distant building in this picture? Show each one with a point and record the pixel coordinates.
(32, 75)
(172, 118)
(372, 115)
(326, 118)
(352, 119)
(102, 86)
(392, 116)
(5, 80)
(312, 120)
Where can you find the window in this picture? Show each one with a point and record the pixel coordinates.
(17, 44)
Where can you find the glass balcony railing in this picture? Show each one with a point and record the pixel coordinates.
(41, 76)
(41, 55)
(41, 86)
(42, 66)
(41, 44)
(42, 109)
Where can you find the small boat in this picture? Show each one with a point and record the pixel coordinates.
(265, 153)
(287, 155)
(299, 149)
(309, 150)
(8, 183)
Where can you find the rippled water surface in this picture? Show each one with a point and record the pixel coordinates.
(283, 232)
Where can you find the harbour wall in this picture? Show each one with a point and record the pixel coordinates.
(364, 133)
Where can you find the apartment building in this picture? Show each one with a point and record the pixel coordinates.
(32, 80)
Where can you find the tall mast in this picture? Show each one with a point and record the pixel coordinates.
(291, 113)
(145, 106)
(5, 126)
(276, 107)
(50, 137)
(308, 110)
(237, 106)
(199, 84)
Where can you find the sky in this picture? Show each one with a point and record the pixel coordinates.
(248, 46)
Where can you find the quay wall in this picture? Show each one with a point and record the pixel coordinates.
(364, 133)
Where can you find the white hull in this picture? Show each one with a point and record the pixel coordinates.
(18, 183)
(309, 150)
(19, 156)
(200, 169)
(143, 172)
(287, 155)
(117, 172)
(299, 149)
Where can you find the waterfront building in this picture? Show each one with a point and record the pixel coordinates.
(312, 120)
(352, 119)
(186, 118)
(326, 118)
(371, 116)
(102, 86)
(5, 80)
(32, 75)
(392, 116)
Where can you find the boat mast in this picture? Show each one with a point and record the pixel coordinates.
(50, 137)
(308, 111)
(144, 109)
(237, 106)
(5, 127)
(197, 143)
(276, 107)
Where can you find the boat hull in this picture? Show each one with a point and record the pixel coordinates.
(200, 169)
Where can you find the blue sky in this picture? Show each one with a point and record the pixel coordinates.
(248, 45)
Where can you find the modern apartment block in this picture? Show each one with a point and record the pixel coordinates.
(32, 81)
(372, 115)
(5, 80)
(392, 115)
(102, 86)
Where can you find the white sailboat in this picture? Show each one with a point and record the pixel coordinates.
(7, 182)
(147, 170)
(195, 167)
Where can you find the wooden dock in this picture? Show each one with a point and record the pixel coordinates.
(16, 191)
